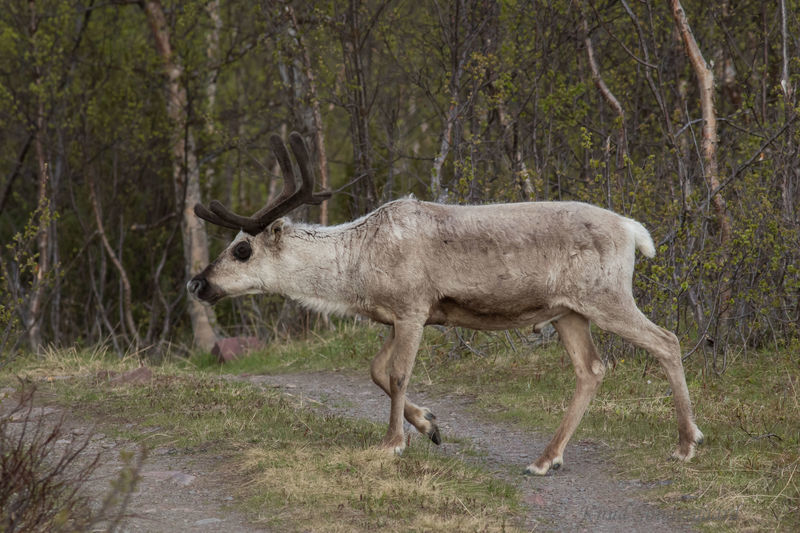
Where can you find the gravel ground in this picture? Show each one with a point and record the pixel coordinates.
(582, 495)
(177, 491)
(184, 490)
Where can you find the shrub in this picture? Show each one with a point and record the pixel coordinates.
(45, 475)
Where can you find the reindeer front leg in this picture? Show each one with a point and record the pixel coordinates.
(401, 354)
(420, 417)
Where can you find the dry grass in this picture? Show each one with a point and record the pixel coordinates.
(370, 490)
(297, 470)
(54, 364)
(745, 477)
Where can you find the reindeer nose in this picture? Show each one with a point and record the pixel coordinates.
(196, 285)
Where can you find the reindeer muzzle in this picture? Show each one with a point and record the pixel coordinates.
(200, 288)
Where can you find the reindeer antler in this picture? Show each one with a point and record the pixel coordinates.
(295, 192)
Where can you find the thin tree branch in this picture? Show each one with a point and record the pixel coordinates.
(608, 96)
(126, 285)
(15, 173)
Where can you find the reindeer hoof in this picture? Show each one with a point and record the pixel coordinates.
(533, 470)
(393, 445)
(433, 431)
(684, 453)
(434, 435)
(542, 466)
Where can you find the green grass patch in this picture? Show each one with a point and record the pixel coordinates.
(300, 470)
(746, 471)
(350, 346)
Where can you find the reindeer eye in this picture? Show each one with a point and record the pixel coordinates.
(242, 251)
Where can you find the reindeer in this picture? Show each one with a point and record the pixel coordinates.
(410, 263)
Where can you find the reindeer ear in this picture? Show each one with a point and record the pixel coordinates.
(275, 230)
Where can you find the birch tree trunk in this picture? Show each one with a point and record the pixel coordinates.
(186, 175)
(790, 174)
(705, 83)
(365, 194)
(33, 322)
(319, 134)
(212, 53)
(439, 194)
(458, 58)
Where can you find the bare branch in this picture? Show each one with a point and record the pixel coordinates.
(608, 96)
(126, 284)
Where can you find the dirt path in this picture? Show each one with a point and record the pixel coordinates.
(581, 496)
(186, 490)
(177, 491)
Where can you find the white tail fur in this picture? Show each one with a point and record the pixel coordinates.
(642, 238)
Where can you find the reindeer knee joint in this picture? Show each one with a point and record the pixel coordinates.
(598, 368)
(374, 371)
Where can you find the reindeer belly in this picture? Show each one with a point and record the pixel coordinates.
(481, 284)
(451, 312)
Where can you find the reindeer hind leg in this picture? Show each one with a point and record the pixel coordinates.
(631, 324)
(573, 329)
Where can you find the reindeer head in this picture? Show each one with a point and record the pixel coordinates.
(244, 266)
